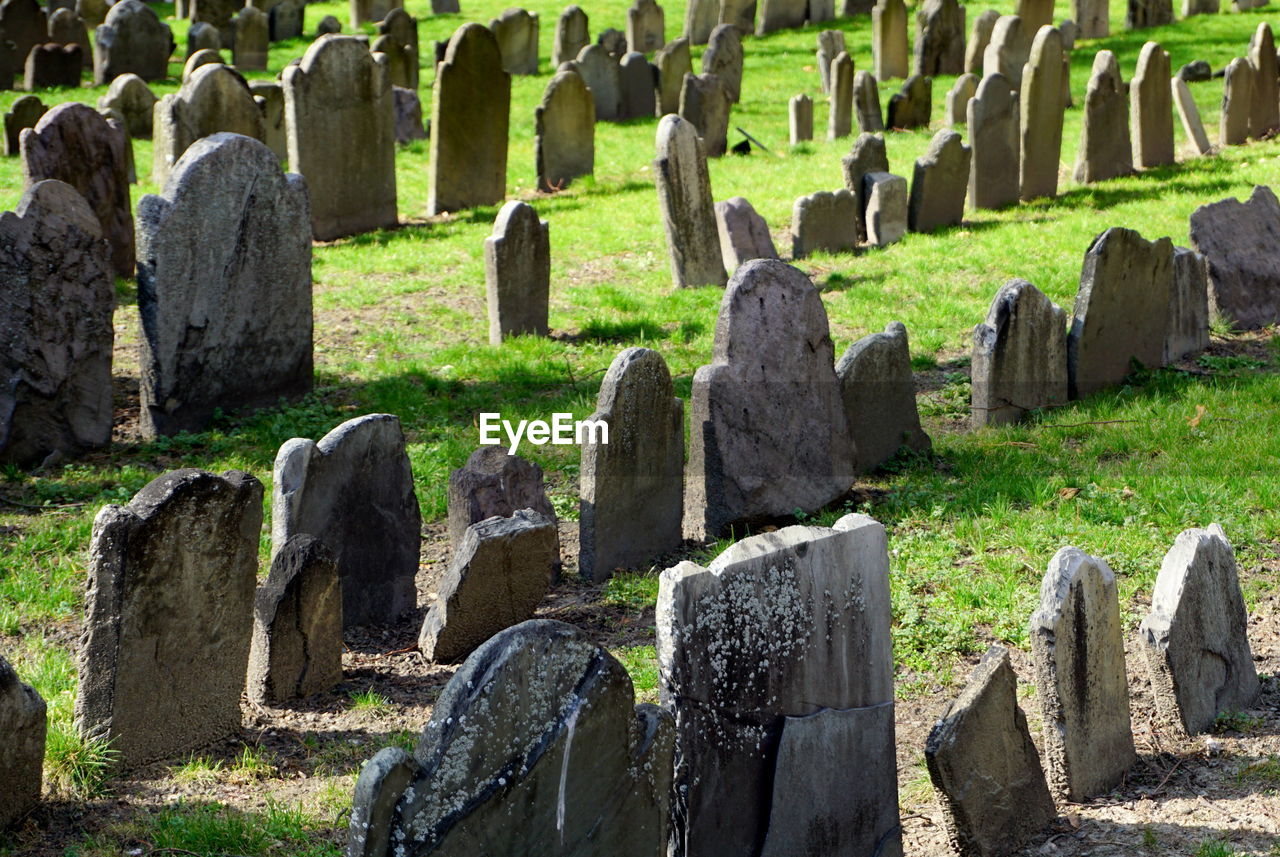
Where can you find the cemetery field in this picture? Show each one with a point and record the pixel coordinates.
(401, 328)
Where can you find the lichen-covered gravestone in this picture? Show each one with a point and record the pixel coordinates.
(1078, 651)
(879, 396)
(354, 491)
(939, 43)
(130, 95)
(866, 156)
(535, 746)
(744, 234)
(1040, 101)
(889, 39)
(572, 35)
(23, 722)
(491, 484)
(1244, 275)
(516, 31)
(1019, 356)
(684, 198)
(1105, 151)
(767, 426)
(517, 271)
(214, 98)
(825, 221)
(169, 615)
(131, 39)
(777, 662)
(632, 487)
(56, 302)
(1187, 329)
(224, 286)
(1151, 107)
(24, 112)
(1195, 638)
(939, 184)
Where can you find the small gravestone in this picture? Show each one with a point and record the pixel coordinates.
(673, 63)
(1264, 114)
(287, 20)
(723, 58)
(1237, 103)
(214, 99)
(979, 38)
(705, 104)
(494, 483)
(56, 301)
(824, 221)
(1019, 358)
(866, 103)
(885, 208)
(1105, 151)
(1008, 51)
(409, 122)
(1189, 114)
(572, 35)
(564, 132)
(269, 96)
(469, 122)
(25, 24)
(601, 73)
(1244, 275)
(328, 26)
(73, 143)
(780, 15)
(1187, 329)
(785, 735)
(23, 723)
(840, 114)
(130, 95)
(879, 395)
(1120, 311)
(646, 27)
(445, 7)
(1141, 14)
(984, 766)
(958, 98)
(830, 46)
(25, 112)
(700, 18)
(202, 37)
(252, 39)
(169, 615)
(201, 58)
(218, 14)
(1196, 637)
(66, 29)
(744, 235)
(993, 128)
(341, 132)
(800, 116)
(535, 746)
(131, 39)
(226, 317)
(889, 39)
(354, 491)
(1040, 101)
(867, 155)
(1151, 108)
(297, 625)
(939, 184)
(911, 106)
(767, 426)
(637, 97)
(53, 66)
(684, 198)
(516, 31)
(939, 44)
(517, 267)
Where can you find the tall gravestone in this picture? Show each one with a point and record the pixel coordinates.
(830, 45)
(706, 105)
(1040, 102)
(1237, 103)
(517, 272)
(516, 31)
(1140, 14)
(1244, 275)
(646, 27)
(572, 35)
(1189, 114)
(215, 98)
(673, 63)
(800, 119)
(939, 184)
(975, 49)
(130, 95)
(878, 392)
(824, 221)
(131, 39)
(494, 483)
(1008, 51)
(564, 141)
(939, 43)
(866, 156)
(700, 18)
(889, 39)
(723, 58)
(1019, 358)
(840, 113)
(1151, 108)
(269, 96)
(1105, 151)
(866, 103)
(24, 725)
(684, 198)
(1264, 114)
(601, 72)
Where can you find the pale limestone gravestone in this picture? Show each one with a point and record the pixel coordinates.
(1092, 18)
(744, 235)
(25, 112)
(494, 483)
(24, 725)
(975, 49)
(131, 39)
(646, 27)
(1019, 361)
(638, 98)
(269, 96)
(780, 15)
(866, 103)
(1264, 115)
(939, 184)
(866, 155)
(214, 99)
(53, 66)
(1187, 328)
(840, 112)
(673, 63)
(1237, 103)
(517, 270)
(700, 18)
(564, 132)
(889, 39)
(706, 105)
(825, 221)
(939, 42)
(879, 395)
(203, 37)
(723, 58)
(1105, 151)
(830, 45)
(1151, 108)
(130, 95)
(1244, 275)
(1008, 51)
(516, 31)
(599, 70)
(800, 113)
(252, 39)
(911, 106)
(66, 29)
(958, 98)
(1189, 115)
(1040, 103)
(572, 35)
(885, 208)
(684, 198)
(1140, 14)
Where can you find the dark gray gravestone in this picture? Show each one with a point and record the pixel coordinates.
(564, 140)
(217, 14)
(23, 722)
(25, 24)
(328, 26)
(1244, 276)
(252, 39)
(993, 128)
(939, 44)
(25, 112)
(723, 58)
(215, 98)
(287, 20)
(613, 41)
(879, 396)
(684, 198)
(517, 271)
(599, 69)
(201, 58)
(203, 37)
(399, 36)
(1019, 356)
(131, 39)
(130, 95)
(1140, 14)
(494, 484)
(66, 29)
(939, 184)
(637, 96)
(409, 123)
(572, 35)
(1105, 151)
(911, 106)
(824, 221)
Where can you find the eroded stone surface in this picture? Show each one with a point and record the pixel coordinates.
(1019, 356)
(824, 221)
(879, 396)
(744, 234)
(684, 198)
(939, 184)
(131, 39)
(494, 484)
(23, 722)
(136, 102)
(517, 271)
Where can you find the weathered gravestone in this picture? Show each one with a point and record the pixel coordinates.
(840, 113)
(1008, 51)
(723, 58)
(744, 234)
(820, 11)
(252, 39)
(1237, 103)
(53, 66)
(92, 12)
(224, 286)
(911, 106)
(780, 15)
(372, 10)
(494, 483)
(684, 198)
(800, 118)
(879, 396)
(1195, 639)
(646, 27)
(600, 72)
(572, 35)
(328, 26)
(785, 736)
(867, 155)
(885, 208)
(1244, 275)
(1105, 150)
(830, 46)
(613, 41)
(66, 29)
(824, 221)
(1092, 18)
(217, 14)
(975, 49)
(1070, 32)
(23, 723)
(1019, 359)
(1034, 13)
(1121, 310)
(1040, 102)
(132, 39)
(1140, 14)
(939, 44)
(24, 23)
(297, 625)
(287, 20)
(74, 144)
(10, 63)
(866, 103)
(889, 39)
(214, 99)
(517, 271)
(1151, 108)
(939, 184)
(130, 95)
(56, 301)
(705, 104)
(203, 37)
(269, 96)
(1187, 328)
(1078, 651)
(767, 426)
(200, 58)
(985, 767)
(469, 121)
(25, 112)
(354, 492)
(534, 746)
(637, 96)
(1264, 114)
(516, 31)
(564, 141)
(673, 63)
(341, 131)
(700, 18)
(1195, 71)
(401, 61)
(740, 13)
(1189, 114)
(169, 615)
(958, 98)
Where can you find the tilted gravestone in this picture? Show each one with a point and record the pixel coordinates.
(800, 118)
(867, 155)
(1189, 113)
(24, 112)
(866, 103)
(744, 234)
(1151, 108)
(767, 426)
(1187, 329)
(939, 43)
(341, 131)
(637, 97)
(56, 300)
(169, 615)
(1244, 276)
(706, 105)
(516, 31)
(132, 39)
(993, 130)
(958, 98)
(469, 121)
(564, 141)
(269, 96)
(911, 106)
(830, 45)
(975, 49)
(632, 487)
(1237, 103)
(600, 71)
(23, 723)
(889, 39)
(214, 99)
(673, 63)
(840, 113)
(684, 198)
(1264, 113)
(646, 27)
(1008, 51)
(1040, 102)
(723, 58)
(572, 35)
(878, 392)
(517, 272)
(1196, 637)
(66, 29)
(1140, 14)
(1019, 359)
(252, 39)
(824, 221)
(1078, 651)
(493, 484)
(130, 95)
(939, 184)
(224, 286)
(1105, 151)
(297, 625)
(534, 746)
(785, 736)
(354, 492)
(884, 209)
(53, 66)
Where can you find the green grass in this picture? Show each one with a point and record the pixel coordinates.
(216, 829)
(1216, 848)
(370, 701)
(642, 663)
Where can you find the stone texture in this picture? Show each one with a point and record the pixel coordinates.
(218, 14)
(269, 96)
(867, 155)
(401, 60)
(723, 58)
(911, 106)
(958, 98)
(1189, 114)
(469, 121)
(169, 615)
(1187, 328)
(1092, 18)
(939, 184)
(287, 20)
(700, 18)
(740, 13)
(800, 113)
(1264, 114)
(66, 29)
(253, 37)
(744, 235)
(200, 58)
(25, 24)
(53, 66)
(215, 98)
(297, 625)
(613, 41)
(1195, 71)
(1140, 14)
(1034, 14)
(491, 484)
(830, 45)
(638, 98)
(354, 492)
(1151, 108)
(840, 113)
(1237, 103)
(983, 26)
(517, 269)
(866, 103)
(767, 426)
(1040, 102)
(600, 71)
(1019, 358)
(131, 39)
(879, 395)
(785, 738)
(1105, 151)
(780, 15)
(824, 221)
(889, 39)
(646, 27)
(684, 198)
(23, 723)
(705, 104)
(1009, 50)
(564, 141)
(939, 43)
(673, 63)
(572, 35)
(203, 37)
(130, 95)
(516, 31)
(1244, 275)
(24, 112)
(885, 208)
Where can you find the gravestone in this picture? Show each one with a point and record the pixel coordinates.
(66, 29)
(885, 208)
(517, 269)
(445, 7)
(564, 141)
(516, 31)
(401, 29)
(1244, 275)
(25, 112)
(1189, 114)
(224, 286)
(198, 59)
(820, 11)
(866, 103)
(684, 198)
(329, 26)
(1034, 13)
(1070, 32)
(214, 99)
(1237, 103)
(637, 97)
(705, 104)
(673, 63)
(824, 221)
(781, 15)
(1120, 311)
(56, 301)
(53, 66)
(740, 13)
(840, 113)
(218, 14)
(983, 26)
(1196, 638)
(23, 723)
(370, 10)
(1019, 361)
(1009, 50)
(867, 155)
(287, 20)
(1078, 651)
(601, 74)
(169, 615)
(1264, 114)
(74, 144)
(252, 39)
(613, 41)
(1105, 151)
(1140, 14)
(785, 737)
(354, 492)
(984, 766)
(269, 96)
(1040, 102)
(879, 395)
(341, 132)
(130, 95)
(92, 12)
(572, 35)
(1187, 328)
(534, 746)
(1092, 18)
(401, 61)
(723, 58)
(131, 39)
(469, 121)
(297, 625)
(830, 46)
(494, 483)
(700, 18)
(889, 39)
(939, 184)
(939, 44)
(911, 106)
(767, 427)
(25, 24)
(744, 235)
(203, 37)
(958, 98)
(1151, 108)
(409, 122)
(800, 115)
(646, 27)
